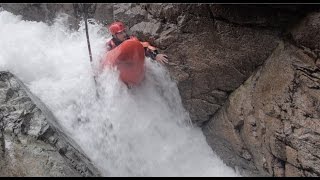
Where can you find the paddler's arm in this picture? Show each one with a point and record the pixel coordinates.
(153, 53)
(162, 58)
(108, 46)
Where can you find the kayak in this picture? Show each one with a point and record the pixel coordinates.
(129, 59)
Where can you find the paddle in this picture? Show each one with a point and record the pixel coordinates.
(85, 17)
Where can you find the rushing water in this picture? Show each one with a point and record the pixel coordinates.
(143, 131)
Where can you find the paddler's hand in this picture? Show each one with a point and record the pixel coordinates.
(162, 58)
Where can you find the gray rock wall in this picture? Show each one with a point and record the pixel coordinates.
(32, 143)
(271, 121)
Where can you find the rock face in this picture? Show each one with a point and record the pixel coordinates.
(31, 141)
(266, 15)
(271, 121)
(306, 32)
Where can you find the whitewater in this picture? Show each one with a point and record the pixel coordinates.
(142, 131)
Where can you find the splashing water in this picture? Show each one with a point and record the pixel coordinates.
(143, 131)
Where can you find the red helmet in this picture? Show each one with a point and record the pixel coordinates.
(116, 27)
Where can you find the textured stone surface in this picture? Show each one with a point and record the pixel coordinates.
(266, 15)
(307, 32)
(32, 143)
(272, 120)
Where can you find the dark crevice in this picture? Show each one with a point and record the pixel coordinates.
(309, 72)
(230, 91)
(291, 15)
(293, 89)
(211, 14)
(247, 25)
(274, 162)
(63, 151)
(287, 37)
(25, 125)
(239, 126)
(46, 134)
(205, 100)
(210, 116)
(300, 166)
(2, 142)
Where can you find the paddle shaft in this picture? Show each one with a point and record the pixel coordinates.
(88, 42)
(87, 33)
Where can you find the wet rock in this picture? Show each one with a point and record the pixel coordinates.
(274, 115)
(267, 15)
(307, 32)
(32, 143)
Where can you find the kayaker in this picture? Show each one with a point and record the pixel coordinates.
(118, 31)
